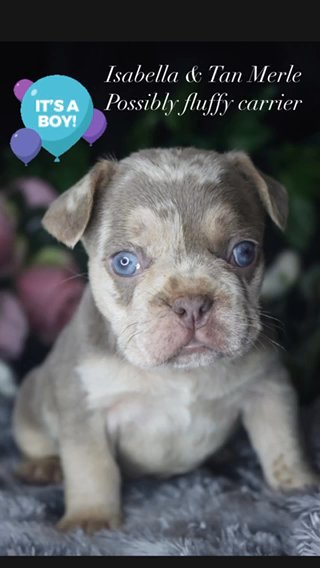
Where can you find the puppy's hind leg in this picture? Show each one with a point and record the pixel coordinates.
(34, 421)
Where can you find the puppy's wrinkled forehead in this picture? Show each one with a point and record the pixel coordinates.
(178, 201)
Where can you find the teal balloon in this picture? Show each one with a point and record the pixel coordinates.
(60, 109)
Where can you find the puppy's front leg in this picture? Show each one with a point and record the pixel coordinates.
(91, 476)
(270, 415)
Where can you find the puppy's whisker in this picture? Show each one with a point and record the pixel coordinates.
(268, 316)
(269, 327)
(127, 327)
(276, 344)
(73, 277)
(147, 330)
(132, 337)
(272, 342)
(128, 330)
(272, 324)
(135, 323)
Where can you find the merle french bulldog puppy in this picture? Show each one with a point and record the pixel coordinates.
(166, 353)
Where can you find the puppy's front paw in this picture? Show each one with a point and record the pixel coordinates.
(296, 482)
(285, 478)
(43, 471)
(89, 522)
(302, 481)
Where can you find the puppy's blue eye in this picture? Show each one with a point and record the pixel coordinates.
(125, 263)
(244, 253)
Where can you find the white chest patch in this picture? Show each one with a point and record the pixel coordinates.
(161, 422)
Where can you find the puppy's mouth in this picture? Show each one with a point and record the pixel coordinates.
(194, 346)
(173, 342)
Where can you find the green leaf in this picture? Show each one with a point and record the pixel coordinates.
(310, 283)
(51, 256)
(73, 165)
(302, 223)
(298, 169)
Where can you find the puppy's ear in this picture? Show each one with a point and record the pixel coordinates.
(272, 194)
(68, 216)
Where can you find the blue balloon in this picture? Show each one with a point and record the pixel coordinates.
(60, 109)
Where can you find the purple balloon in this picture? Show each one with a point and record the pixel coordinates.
(25, 144)
(21, 88)
(97, 127)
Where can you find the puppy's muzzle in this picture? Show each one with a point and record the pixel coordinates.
(193, 311)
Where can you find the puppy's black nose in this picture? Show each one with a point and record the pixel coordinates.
(193, 311)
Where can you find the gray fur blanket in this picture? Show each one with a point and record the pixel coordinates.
(223, 508)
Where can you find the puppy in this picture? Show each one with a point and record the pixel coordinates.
(166, 353)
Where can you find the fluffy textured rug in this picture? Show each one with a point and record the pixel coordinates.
(221, 509)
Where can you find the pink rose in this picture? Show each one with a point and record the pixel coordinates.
(7, 241)
(36, 192)
(50, 296)
(13, 326)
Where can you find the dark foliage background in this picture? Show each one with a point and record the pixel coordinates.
(284, 144)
